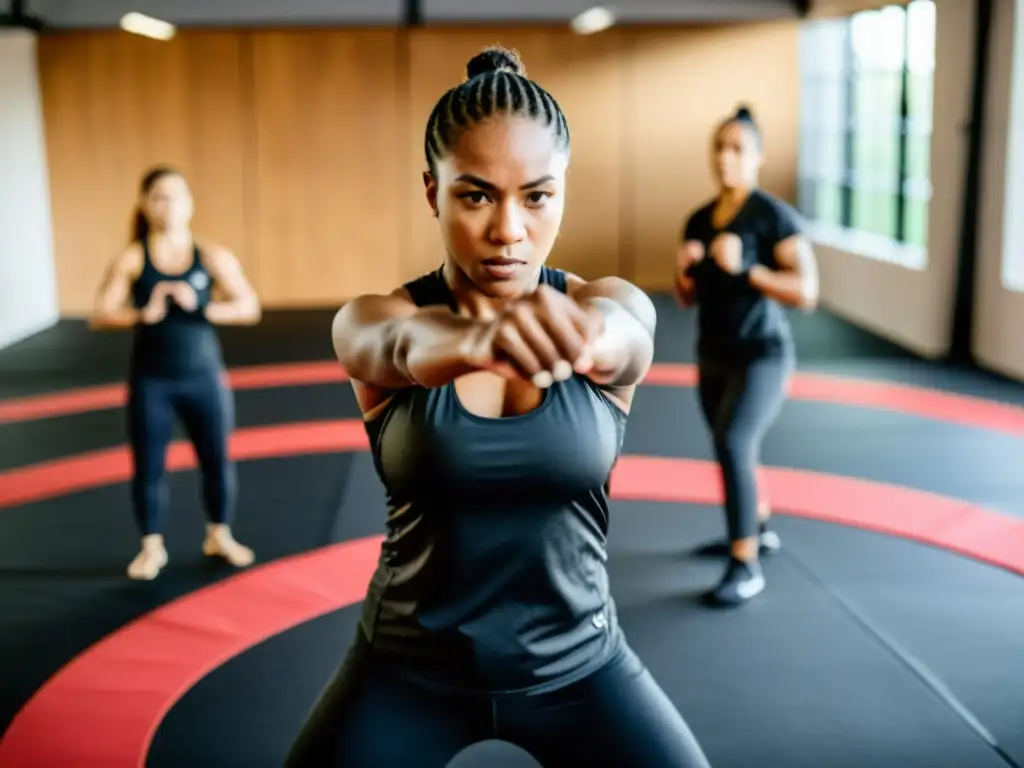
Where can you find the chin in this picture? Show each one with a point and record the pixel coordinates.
(504, 286)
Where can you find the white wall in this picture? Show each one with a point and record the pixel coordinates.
(28, 290)
(999, 311)
(914, 307)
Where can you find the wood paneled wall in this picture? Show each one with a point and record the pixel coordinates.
(305, 147)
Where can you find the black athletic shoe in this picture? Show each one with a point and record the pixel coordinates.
(770, 544)
(741, 582)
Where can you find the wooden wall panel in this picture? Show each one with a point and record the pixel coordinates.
(583, 74)
(328, 212)
(679, 84)
(304, 147)
(115, 104)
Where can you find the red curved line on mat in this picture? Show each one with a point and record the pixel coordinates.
(104, 707)
(110, 699)
(57, 477)
(902, 398)
(106, 396)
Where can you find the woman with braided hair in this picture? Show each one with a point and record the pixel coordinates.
(495, 393)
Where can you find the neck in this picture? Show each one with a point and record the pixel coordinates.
(472, 300)
(178, 238)
(734, 195)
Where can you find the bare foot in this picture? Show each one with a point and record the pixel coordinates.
(148, 563)
(220, 543)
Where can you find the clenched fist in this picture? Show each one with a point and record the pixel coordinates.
(727, 252)
(543, 337)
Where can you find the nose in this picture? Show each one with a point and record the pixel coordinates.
(507, 225)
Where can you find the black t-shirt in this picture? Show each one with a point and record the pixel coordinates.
(733, 317)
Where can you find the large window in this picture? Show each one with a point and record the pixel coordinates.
(865, 128)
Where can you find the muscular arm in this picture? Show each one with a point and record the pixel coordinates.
(387, 342)
(235, 301)
(112, 308)
(795, 282)
(623, 354)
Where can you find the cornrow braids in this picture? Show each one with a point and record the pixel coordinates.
(496, 84)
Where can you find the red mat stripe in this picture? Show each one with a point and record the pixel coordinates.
(84, 471)
(104, 707)
(110, 700)
(903, 398)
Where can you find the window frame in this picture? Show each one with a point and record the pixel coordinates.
(846, 77)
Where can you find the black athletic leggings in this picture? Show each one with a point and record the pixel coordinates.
(205, 406)
(618, 716)
(740, 400)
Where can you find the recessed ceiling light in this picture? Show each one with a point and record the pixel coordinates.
(591, 21)
(139, 24)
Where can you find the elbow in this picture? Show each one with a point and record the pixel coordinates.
(809, 295)
(341, 335)
(346, 336)
(101, 321)
(804, 300)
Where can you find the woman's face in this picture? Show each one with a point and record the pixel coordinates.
(736, 156)
(499, 197)
(168, 203)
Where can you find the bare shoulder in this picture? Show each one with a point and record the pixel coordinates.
(214, 255)
(128, 262)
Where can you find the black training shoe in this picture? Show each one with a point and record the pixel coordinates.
(741, 582)
(769, 544)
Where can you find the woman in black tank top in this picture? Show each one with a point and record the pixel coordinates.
(495, 393)
(742, 260)
(171, 293)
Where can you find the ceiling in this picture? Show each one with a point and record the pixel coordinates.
(106, 13)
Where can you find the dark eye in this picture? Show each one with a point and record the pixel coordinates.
(538, 198)
(476, 197)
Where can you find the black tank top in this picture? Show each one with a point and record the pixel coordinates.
(492, 577)
(183, 343)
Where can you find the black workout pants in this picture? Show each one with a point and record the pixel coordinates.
(205, 406)
(740, 399)
(618, 716)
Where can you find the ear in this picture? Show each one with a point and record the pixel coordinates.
(430, 184)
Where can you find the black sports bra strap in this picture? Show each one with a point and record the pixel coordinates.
(429, 290)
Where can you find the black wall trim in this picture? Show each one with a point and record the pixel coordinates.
(963, 306)
(413, 13)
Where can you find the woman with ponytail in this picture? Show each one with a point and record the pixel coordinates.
(743, 258)
(171, 292)
(495, 392)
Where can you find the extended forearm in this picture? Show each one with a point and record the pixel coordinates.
(234, 312)
(427, 348)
